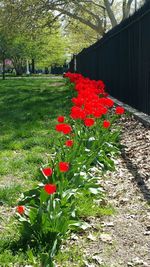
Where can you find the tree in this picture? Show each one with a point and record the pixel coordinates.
(3, 51)
(51, 50)
(29, 37)
(4, 43)
(93, 13)
(78, 36)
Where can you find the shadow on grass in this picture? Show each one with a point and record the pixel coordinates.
(28, 106)
(28, 112)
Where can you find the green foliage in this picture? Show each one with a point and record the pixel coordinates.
(29, 38)
(51, 49)
(7, 258)
(76, 30)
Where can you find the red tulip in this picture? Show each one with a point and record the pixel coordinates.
(64, 166)
(64, 128)
(89, 122)
(119, 110)
(20, 209)
(50, 188)
(69, 143)
(47, 171)
(61, 119)
(106, 124)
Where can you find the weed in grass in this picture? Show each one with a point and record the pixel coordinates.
(86, 207)
(73, 256)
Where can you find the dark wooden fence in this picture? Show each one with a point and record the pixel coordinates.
(122, 60)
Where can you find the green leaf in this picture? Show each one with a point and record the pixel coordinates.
(30, 197)
(79, 224)
(54, 248)
(33, 215)
(43, 196)
(94, 191)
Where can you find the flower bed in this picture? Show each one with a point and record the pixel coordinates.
(49, 212)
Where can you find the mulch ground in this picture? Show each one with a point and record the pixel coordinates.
(123, 239)
(129, 192)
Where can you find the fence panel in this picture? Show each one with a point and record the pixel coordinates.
(122, 60)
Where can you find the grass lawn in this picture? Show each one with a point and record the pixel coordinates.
(28, 111)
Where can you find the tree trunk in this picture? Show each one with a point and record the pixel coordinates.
(19, 65)
(126, 6)
(33, 66)
(3, 68)
(19, 70)
(110, 13)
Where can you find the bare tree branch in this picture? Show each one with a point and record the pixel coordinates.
(126, 6)
(112, 2)
(110, 13)
(81, 19)
(87, 10)
(81, 11)
(94, 3)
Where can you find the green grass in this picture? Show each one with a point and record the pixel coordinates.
(71, 257)
(28, 111)
(87, 207)
(28, 108)
(8, 195)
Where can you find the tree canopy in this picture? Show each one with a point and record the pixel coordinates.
(29, 37)
(45, 31)
(96, 14)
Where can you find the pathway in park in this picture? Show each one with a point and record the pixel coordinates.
(48, 76)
